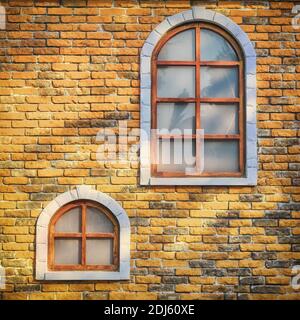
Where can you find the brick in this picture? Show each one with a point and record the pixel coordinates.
(278, 247)
(95, 296)
(107, 286)
(132, 296)
(42, 296)
(60, 11)
(15, 246)
(54, 287)
(121, 180)
(252, 247)
(81, 287)
(148, 279)
(15, 180)
(187, 288)
(50, 172)
(68, 296)
(15, 296)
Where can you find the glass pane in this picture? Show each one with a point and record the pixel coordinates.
(221, 156)
(99, 252)
(176, 155)
(219, 118)
(96, 221)
(69, 221)
(181, 47)
(214, 47)
(176, 82)
(67, 251)
(219, 82)
(176, 116)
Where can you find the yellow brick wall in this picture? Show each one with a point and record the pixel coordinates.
(68, 70)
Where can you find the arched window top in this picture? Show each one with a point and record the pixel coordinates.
(83, 234)
(215, 47)
(198, 72)
(213, 42)
(84, 216)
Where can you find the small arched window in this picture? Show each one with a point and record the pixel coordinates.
(197, 77)
(83, 235)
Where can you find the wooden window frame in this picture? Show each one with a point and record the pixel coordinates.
(197, 63)
(83, 235)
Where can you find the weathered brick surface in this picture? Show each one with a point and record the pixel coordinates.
(67, 71)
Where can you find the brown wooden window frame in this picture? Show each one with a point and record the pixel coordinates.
(197, 63)
(83, 235)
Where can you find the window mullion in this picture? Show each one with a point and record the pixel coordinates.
(153, 138)
(197, 90)
(241, 118)
(176, 63)
(115, 247)
(187, 100)
(176, 136)
(67, 235)
(95, 235)
(83, 230)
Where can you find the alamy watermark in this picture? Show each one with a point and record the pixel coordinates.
(175, 149)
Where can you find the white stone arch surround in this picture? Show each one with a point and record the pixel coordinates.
(193, 15)
(82, 193)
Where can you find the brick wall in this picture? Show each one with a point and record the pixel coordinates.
(68, 70)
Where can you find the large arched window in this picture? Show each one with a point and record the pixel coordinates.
(83, 235)
(198, 84)
(198, 95)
